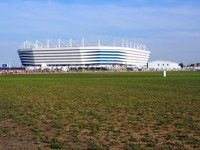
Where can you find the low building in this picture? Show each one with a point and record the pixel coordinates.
(160, 65)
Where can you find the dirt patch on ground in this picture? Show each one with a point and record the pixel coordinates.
(15, 137)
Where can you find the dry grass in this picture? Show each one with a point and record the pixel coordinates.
(100, 111)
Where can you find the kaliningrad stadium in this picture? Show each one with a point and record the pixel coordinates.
(66, 54)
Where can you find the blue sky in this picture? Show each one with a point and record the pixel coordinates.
(169, 28)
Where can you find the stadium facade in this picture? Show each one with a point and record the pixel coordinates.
(69, 54)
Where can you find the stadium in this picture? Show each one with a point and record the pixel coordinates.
(66, 54)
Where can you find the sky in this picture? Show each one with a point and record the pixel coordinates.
(169, 28)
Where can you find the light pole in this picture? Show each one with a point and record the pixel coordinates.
(9, 64)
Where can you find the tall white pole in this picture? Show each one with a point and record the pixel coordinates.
(114, 42)
(48, 43)
(59, 43)
(70, 42)
(83, 42)
(122, 43)
(99, 42)
(9, 63)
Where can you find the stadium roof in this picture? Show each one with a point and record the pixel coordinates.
(82, 43)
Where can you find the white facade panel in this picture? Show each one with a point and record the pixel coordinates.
(81, 55)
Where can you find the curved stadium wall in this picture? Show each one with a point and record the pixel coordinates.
(83, 54)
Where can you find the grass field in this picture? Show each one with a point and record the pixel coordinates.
(134, 110)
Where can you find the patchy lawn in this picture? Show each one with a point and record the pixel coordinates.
(134, 110)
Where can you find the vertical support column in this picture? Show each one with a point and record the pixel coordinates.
(83, 42)
(48, 43)
(36, 44)
(59, 43)
(99, 42)
(70, 42)
(126, 43)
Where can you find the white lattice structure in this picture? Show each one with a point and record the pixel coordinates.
(71, 53)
